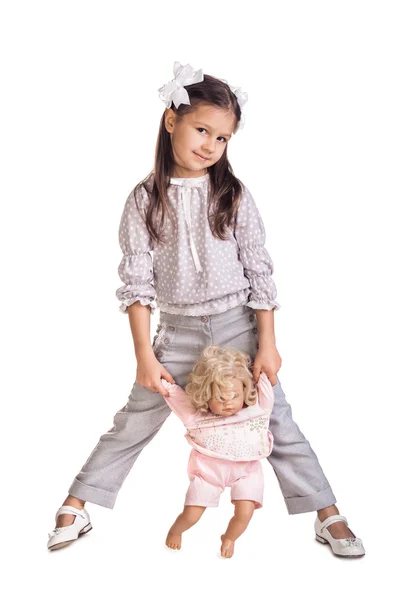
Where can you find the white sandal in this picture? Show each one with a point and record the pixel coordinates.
(348, 547)
(62, 536)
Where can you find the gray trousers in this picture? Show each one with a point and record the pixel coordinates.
(177, 345)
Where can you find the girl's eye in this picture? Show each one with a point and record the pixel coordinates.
(202, 129)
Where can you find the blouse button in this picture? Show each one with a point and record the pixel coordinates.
(254, 329)
(251, 318)
(204, 319)
(166, 340)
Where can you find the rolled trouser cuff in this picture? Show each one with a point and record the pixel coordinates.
(90, 494)
(303, 504)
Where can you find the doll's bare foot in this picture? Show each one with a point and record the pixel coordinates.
(173, 541)
(186, 520)
(227, 547)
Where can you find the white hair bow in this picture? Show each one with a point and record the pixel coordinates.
(242, 98)
(174, 90)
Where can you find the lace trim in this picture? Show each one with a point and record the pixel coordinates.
(269, 305)
(143, 301)
(202, 310)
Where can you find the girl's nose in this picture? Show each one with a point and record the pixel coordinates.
(209, 147)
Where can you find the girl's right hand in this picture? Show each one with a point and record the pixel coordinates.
(149, 373)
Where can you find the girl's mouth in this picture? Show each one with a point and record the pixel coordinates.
(201, 157)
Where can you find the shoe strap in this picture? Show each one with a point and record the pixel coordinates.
(332, 519)
(69, 510)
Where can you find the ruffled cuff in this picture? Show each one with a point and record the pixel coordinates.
(264, 305)
(262, 292)
(143, 293)
(143, 301)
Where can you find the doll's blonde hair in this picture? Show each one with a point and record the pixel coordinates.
(217, 365)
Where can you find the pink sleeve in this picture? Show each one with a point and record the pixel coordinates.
(265, 392)
(178, 401)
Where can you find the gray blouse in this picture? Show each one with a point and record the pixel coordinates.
(194, 273)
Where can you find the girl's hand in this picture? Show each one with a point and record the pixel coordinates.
(268, 361)
(149, 373)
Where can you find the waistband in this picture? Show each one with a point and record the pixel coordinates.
(223, 317)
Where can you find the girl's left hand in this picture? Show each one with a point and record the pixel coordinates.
(268, 361)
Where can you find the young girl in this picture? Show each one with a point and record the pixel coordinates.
(227, 426)
(210, 275)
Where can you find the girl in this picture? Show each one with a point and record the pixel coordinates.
(227, 426)
(210, 276)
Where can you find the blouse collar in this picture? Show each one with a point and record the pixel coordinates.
(190, 181)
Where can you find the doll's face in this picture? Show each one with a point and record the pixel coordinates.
(230, 403)
(204, 132)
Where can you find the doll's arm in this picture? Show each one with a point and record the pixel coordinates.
(265, 392)
(178, 401)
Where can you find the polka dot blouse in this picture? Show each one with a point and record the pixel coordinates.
(194, 273)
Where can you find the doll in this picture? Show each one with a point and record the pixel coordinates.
(227, 420)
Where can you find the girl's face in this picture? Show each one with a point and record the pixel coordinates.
(199, 138)
(230, 403)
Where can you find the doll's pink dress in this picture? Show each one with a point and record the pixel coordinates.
(226, 450)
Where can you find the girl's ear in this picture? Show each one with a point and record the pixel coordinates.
(170, 120)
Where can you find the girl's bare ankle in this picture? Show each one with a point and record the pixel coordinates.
(75, 502)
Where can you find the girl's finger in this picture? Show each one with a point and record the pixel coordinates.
(167, 376)
(161, 390)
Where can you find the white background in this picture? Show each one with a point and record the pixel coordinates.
(320, 154)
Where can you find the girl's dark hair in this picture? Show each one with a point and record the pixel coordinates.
(224, 188)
